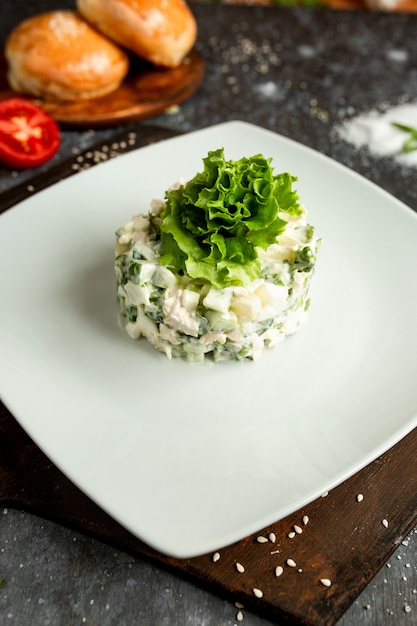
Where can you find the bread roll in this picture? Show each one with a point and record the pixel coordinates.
(59, 55)
(161, 31)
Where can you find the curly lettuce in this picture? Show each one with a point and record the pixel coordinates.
(212, 225)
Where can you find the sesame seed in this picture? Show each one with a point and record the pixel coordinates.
(272, 537)
(385, 523)
(261, 539)
(239, 616)
(279, 570)
(291, 535)
(30, 188)
(257, 592)
(297, 529)
(326, 582)
(291, 563)
(240, 568)
(306, 520)
(216, 557)
(239, 605)
(323, 495)
(359, 497)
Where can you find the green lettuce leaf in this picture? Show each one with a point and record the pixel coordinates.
(212, 225)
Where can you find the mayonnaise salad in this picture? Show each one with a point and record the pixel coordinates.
(223, 298)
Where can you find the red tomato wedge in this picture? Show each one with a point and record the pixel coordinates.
(28, 135)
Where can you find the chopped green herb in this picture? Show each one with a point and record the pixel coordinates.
(410, 144)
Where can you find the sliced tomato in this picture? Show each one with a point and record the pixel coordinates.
(28, 135)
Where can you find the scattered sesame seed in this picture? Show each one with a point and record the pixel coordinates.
(407, 608)
(275, 552)
(291, 535)
(216, 557)
(279, 570)
(239, 616)
(306, 520)
(326, 493)
(291, 563)
(239, 605)
(173, 109)
(240, 568)
(30, 188)
(261, 539)
(385, 523)
(326, 582)
(359, 497)
(297, 529)
(257, 592)
(272, 537)
(368, 607)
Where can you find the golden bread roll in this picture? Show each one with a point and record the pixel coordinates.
(59, 55)
(161, 31)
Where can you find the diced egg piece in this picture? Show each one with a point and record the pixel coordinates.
(146, 272)
(136, 294)
(273, 298)
(190, 299)
(245, 304)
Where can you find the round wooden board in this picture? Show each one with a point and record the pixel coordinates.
(147, 91)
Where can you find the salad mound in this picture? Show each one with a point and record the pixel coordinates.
(221, 266)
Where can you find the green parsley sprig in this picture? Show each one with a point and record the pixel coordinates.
(410, 144)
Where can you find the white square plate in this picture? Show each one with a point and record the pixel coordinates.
(190, 458)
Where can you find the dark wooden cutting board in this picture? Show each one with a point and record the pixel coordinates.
(146, 92)
(346, 539)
